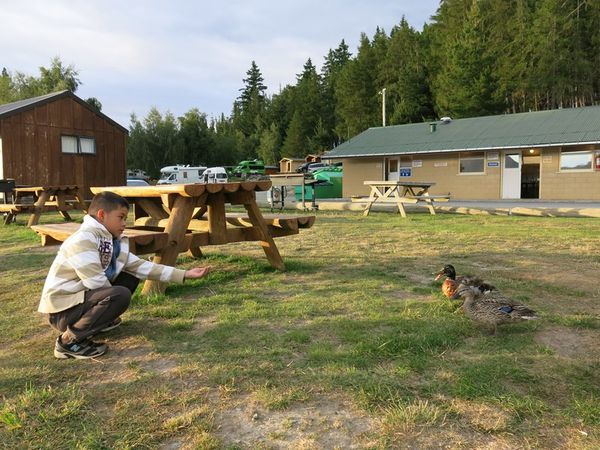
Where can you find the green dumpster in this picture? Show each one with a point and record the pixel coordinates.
(330, 186)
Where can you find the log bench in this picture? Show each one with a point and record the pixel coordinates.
(279, 225)
(141, 241)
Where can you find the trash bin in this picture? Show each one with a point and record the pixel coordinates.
(329, 186)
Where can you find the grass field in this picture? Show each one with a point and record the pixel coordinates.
(353, 346)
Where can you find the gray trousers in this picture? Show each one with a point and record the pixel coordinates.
(99, 308)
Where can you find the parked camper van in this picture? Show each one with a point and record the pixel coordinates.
(181, 174)
(215, 175)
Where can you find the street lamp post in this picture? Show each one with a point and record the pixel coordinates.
(382, 92)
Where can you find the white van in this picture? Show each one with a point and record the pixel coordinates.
(181, 174)
(215, 175)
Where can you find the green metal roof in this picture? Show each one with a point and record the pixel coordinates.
(532, 129)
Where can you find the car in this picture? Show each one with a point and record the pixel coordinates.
(137, 182)
(302, 168)
(315, 166)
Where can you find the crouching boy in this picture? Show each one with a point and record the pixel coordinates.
(93, 276)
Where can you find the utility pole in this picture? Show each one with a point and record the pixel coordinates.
(382, 92)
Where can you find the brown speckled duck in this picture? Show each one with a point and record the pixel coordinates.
(492, 308)
(452, 281)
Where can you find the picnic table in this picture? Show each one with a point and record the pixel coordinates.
(400, 192)
(39, 199)
(193, 215)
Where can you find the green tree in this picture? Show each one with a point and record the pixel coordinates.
(335, 61)
(466, 86)
(270, 145)
(249, 111)
(404, 75)
(94, 103)
(20, 86)
(356, 93)
(196, 137)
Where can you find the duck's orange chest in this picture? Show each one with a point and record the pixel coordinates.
(449, 287)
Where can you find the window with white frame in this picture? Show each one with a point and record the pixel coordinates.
(78, 144)
(576, 160)
(471, 162)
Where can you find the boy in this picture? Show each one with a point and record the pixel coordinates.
(93, 276)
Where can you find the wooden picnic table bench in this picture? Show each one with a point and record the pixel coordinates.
(278, 224)
(400, 192)
(141, 241)
(38, 199)
(172, 208)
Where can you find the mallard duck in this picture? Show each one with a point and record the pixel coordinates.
(492, 308)
(452, 281)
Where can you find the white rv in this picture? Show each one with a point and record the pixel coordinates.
(215, 175)
(181, 174)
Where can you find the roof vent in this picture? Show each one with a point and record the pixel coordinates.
(432, 127)
(446, 119)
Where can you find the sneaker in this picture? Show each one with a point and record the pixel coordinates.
(79, 350)
(111, 326)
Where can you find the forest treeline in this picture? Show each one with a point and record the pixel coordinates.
(473, 58)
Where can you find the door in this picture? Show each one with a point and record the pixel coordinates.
(511, 175)
(393, 173)
(1, 162)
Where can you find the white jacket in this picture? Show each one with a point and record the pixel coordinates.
(80, 263)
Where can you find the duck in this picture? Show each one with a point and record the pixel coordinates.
(452, 281)
(492, 308)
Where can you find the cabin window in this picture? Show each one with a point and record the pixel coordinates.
(69, 144)
(78, 144)
(87, 145)
(576, 160)
(471, 162)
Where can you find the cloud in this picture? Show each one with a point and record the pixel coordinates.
(184, 53)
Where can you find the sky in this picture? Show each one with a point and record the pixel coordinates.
(180, 54)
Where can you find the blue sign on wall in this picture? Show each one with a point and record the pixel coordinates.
(493, 163)
(405, 171)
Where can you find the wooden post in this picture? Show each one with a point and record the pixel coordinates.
(38, 208)
(176, 228)
(217, 226)
(266, 241)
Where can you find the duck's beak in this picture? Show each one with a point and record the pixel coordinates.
(440, 274)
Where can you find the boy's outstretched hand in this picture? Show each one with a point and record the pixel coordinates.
(196, 272)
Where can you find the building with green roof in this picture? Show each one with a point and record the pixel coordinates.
(551, 155)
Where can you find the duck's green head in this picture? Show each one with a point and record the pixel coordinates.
(448, 270)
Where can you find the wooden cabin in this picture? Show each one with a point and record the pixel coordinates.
(59, 139)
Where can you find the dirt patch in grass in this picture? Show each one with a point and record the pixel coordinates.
(482, 416)
(570, 342)
(326, 423)
(128, 357)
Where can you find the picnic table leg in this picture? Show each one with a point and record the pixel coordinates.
(217, 226)
(179, 219)
(371, 200)
(429, 205)
(38, 208)
(9, 218)
(266, 240)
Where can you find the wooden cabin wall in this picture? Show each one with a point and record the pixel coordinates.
(31, 147)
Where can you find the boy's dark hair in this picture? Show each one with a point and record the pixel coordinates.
(108, 201)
